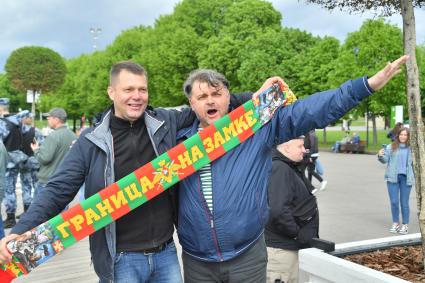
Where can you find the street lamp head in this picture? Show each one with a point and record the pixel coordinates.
(95, 32)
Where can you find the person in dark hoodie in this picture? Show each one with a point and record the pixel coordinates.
(294, 218)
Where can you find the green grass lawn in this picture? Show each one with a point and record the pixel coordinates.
(333, 136)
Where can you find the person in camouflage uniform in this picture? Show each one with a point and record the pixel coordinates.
(29, 168)
(3, 164)
(11, 135)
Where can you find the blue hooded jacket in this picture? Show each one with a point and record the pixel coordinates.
(240, 177)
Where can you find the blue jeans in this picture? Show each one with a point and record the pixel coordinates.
(336, 146)
(137, 267)
(399, 196)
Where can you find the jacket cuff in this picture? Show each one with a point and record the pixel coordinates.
(362, 87)
(18, 229)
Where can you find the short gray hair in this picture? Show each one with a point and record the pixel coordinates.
(211, 77)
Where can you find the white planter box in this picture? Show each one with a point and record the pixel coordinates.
(317, 266)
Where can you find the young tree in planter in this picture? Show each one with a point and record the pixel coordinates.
(417, 142)
(35, 68)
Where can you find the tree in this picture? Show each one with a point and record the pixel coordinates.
(362, 54)
(171, 56)
(417, 142)
(34, 68)
(17, 100)
(250, 29)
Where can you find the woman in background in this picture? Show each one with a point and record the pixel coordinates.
(400, 178)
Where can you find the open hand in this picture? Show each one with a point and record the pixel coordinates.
(380, 79)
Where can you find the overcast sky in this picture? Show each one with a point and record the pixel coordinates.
(64, 25)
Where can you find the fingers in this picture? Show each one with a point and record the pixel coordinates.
(380, 79)
(395, 67)
(268, 83)
(277, 79)
(5, 255)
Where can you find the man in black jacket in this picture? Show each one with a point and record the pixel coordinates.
(294, 218)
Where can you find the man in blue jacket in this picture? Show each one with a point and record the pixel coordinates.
(223, 206)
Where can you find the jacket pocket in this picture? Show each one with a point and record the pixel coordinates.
(305, 211)
(307, 233)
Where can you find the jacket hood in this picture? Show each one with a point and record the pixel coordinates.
(277, 155)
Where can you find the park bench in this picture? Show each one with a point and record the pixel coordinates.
(354, 148)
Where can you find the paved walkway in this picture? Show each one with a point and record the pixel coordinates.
(354, 207)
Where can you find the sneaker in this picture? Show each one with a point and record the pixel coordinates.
(323, 185)
(395, 228)
(314, 191)
(404, 229)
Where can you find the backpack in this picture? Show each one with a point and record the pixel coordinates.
(14, 140)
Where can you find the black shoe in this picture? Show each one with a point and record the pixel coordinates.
(10, 221)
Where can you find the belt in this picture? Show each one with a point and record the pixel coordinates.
(158, 248)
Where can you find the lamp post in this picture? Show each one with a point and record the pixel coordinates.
(95, 35)
(356, 54)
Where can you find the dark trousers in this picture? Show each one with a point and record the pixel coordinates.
(248, 267)
(311, 169)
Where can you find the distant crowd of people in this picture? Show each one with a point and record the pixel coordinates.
(27, 154)
(231, 215)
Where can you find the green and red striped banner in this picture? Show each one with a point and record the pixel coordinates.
(44, 241)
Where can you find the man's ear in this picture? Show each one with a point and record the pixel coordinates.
(110, 91)
(190, 102)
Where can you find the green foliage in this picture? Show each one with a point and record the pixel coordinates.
(172, 56)
(366, 52)
(314, 65)
(386, 7)
(252, 46)
(247, 18)
(17, 99)
(243, 39)
(204, 16)
(35, 68)
(129, 43)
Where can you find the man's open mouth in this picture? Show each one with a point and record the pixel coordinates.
(212, 112)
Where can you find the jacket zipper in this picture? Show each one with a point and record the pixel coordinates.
(210, 217)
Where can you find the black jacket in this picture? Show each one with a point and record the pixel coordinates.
(289, 195)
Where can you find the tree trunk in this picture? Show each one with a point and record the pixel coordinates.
(415, 115)
(375, 130)
(74, 124)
